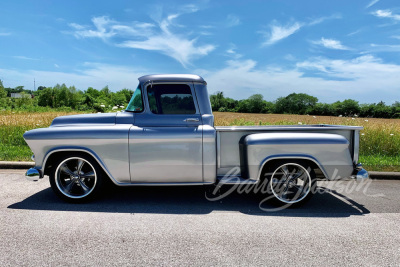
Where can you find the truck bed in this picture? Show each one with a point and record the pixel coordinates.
(228, 139)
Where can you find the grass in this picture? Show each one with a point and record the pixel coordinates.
(379, 141)
(14, 124)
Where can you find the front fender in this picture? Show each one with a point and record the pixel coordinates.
(107, 144)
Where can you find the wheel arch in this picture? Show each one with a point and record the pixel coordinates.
(53, 155)
(271, 160)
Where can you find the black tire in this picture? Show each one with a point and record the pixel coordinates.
(291, 188)
(77, 178)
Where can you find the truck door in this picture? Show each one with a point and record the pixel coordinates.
(165, 144)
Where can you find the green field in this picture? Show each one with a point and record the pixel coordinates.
(379, 141)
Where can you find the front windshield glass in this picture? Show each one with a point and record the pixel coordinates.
(136, 103)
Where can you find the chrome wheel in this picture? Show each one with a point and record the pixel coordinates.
(291, 183)
(75, 177)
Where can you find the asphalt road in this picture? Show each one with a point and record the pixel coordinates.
(179, 226)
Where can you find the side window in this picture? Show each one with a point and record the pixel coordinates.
(171, 99)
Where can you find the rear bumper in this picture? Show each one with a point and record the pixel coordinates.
(33, 174)
(360, 173)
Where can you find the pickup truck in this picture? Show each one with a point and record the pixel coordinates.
(166, 137)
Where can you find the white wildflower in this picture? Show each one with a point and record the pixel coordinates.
(362, 134)
(102, 106)
(299, 123)
(366, 120)
(353, 118)
(314, 117)
(340, 116)
(391, 134)
(114, 108)
(121, 106)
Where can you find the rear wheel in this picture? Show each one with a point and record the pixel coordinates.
(76, 178)
(291, 183)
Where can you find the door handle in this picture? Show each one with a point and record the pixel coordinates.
(191, 120)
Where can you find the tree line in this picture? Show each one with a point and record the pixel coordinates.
(303, 104)
(63, 97)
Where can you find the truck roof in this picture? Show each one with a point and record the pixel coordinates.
(172, 78)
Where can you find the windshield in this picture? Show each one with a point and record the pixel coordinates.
(136, 103)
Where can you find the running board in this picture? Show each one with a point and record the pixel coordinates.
(235, 180)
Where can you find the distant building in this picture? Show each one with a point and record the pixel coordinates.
(19, 95)
(16, 95)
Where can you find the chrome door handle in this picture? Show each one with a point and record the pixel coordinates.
(191, 120)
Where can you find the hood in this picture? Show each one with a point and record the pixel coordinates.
(85, 119)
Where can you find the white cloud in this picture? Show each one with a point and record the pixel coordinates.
(174, 45)
(373, 2)
(355, 32)
(385, 48)
(57, 66)
(279, 32)
(386, 14)
(331, 44)
(360, 79)
(147, 36)
(322, 19)
(77, 26)
(90, 74)
(232, 20)
(25, 58)
(5, 33)
(231, 52)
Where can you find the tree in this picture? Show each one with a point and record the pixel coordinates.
(347, 107)
(256, 103)
(217, 101)
(295, 104)
(3, 95)
(396, 109)
(47, 98)
(3, 92)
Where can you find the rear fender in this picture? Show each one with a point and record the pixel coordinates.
(329, 152)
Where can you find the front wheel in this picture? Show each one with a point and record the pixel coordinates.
(76, 178)
(291, 183)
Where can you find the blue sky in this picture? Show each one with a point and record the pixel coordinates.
(333, 50)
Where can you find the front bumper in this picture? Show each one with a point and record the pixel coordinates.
(360, 173)
(33, 174)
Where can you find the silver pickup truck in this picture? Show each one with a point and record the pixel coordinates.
(166, 136)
